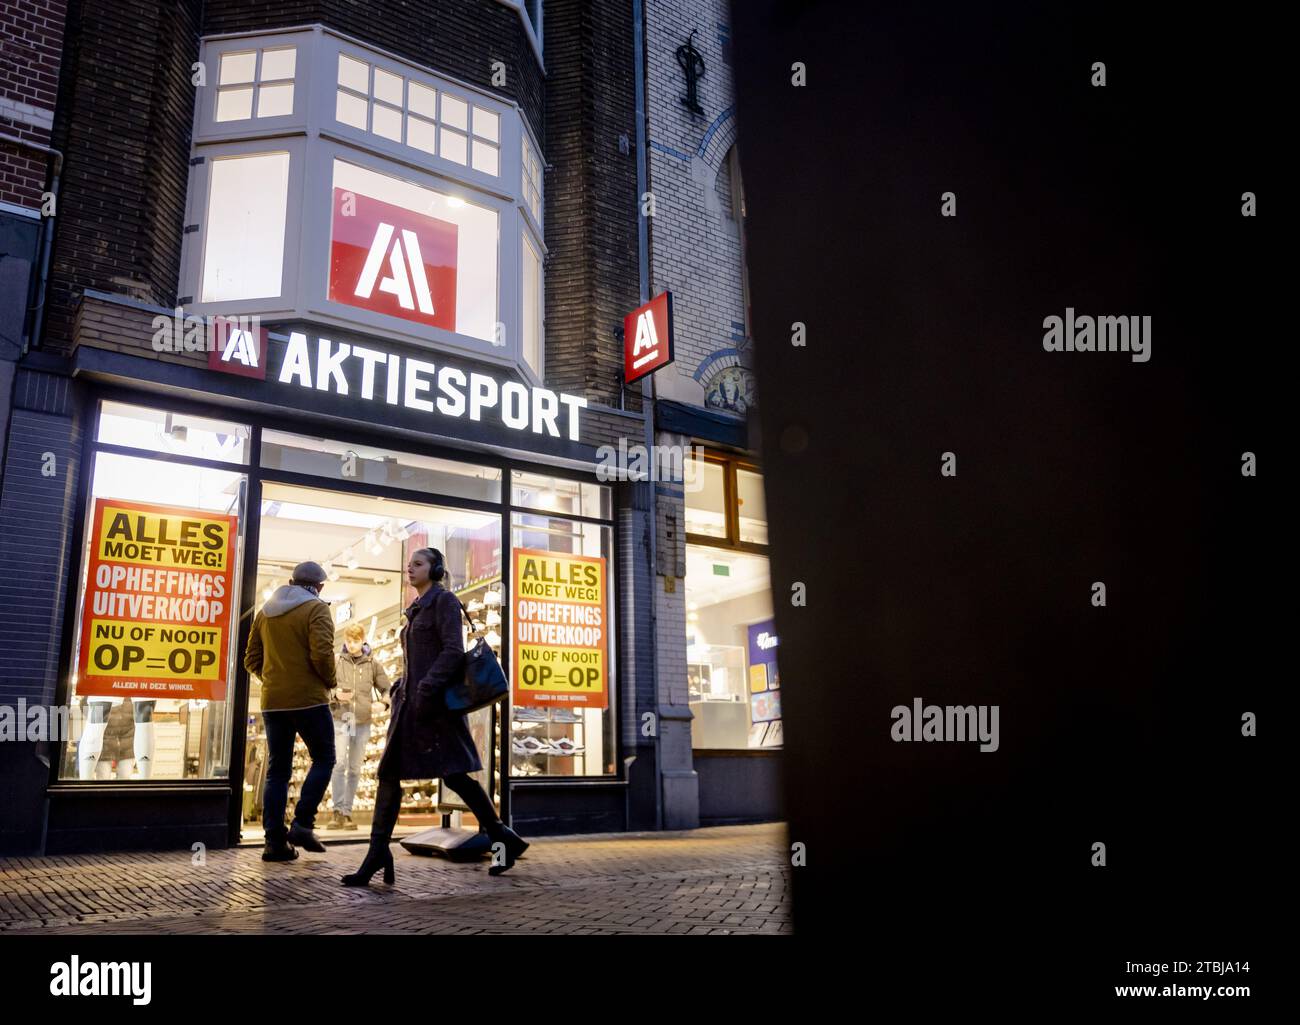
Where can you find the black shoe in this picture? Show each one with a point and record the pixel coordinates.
(376, 859)
(278, 850)
(515, 847)
(304, 837)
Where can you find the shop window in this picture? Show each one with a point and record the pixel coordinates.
(366, 464)
(706, 504)
(562, 651)
(724, 502)
(731, 640)
(371, 98)
(433, 167)
(751, 511)
(413, 252)
(258, 81)
(177, 434)
(531, 312)
(152, 674)
(731, 668)
(532, 172)
(559, 495)
(248, 201)
(19, 235)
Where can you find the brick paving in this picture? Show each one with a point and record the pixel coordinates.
(725, 880)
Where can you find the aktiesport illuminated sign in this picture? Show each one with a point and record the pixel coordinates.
(427, 387)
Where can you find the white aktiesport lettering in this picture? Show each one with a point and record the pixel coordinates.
(421, 385)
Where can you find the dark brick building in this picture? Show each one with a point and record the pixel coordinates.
(329, 280)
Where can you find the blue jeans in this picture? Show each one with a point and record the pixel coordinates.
(349, 749)
(316, 727)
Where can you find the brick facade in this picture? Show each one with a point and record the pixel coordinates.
(695, 240)
(591, 200)
(31, 50)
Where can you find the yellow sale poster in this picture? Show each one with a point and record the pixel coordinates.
(156, 616)
(560, 620)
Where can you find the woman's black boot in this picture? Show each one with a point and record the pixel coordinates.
(388, 800)
(376, 858)
(514, 843)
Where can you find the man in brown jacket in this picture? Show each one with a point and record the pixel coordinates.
(291, 650)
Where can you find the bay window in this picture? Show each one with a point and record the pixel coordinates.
(335, 183)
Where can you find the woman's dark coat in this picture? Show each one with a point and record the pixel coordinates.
(425, 741)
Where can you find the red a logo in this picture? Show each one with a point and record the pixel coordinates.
(392, 260)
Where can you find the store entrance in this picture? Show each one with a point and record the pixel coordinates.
(364, 542)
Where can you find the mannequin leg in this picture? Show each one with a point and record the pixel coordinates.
(92, 739)
(125, 768)
(142, 712)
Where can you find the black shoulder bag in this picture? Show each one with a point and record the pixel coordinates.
(483, 683)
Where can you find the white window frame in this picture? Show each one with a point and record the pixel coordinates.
(534, 32)
(314, 139)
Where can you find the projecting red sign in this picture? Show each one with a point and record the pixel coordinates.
(648, 338)
(392, 260)
(237, 345)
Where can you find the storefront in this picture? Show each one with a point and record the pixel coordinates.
(731, 644)
(192, 511)
(355, 372)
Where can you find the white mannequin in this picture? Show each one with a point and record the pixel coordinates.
(91, 745)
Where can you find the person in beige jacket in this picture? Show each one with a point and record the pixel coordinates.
(291, 650)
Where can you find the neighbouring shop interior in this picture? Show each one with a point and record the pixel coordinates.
(731, 643)
(167, 460)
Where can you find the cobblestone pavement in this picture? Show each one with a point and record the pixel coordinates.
(725, 880)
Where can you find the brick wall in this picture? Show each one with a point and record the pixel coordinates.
(695, 247)
(31, 48)
(591, 198)
(126, 109)
(123, 122)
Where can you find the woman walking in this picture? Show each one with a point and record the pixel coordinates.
(425, 741)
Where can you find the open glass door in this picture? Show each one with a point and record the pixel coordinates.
(364, 542)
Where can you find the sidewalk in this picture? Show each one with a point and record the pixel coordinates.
(730, 879)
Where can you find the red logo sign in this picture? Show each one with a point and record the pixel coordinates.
(648, 338)
(392, 260)
(237, 346)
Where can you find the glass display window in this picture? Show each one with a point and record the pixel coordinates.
(562, 653)
(154, 656)
(730, 649)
